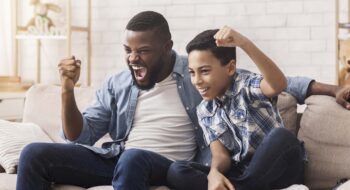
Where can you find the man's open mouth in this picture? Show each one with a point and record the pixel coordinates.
(139, 72)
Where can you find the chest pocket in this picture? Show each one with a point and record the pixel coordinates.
(238, 117)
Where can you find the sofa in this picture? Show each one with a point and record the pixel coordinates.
(324, 126)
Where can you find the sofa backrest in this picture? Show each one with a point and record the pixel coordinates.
(325, 129)
(43, 107)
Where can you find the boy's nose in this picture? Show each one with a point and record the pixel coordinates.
(197, 80)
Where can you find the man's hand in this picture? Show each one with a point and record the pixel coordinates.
(227, 37)
(69, 69)
(342, 97)
(217, 181)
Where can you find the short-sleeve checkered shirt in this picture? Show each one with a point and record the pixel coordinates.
(241, 118)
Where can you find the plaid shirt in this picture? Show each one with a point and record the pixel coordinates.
(241, 118)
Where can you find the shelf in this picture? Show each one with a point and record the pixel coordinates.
(344, 25)
(40, 37)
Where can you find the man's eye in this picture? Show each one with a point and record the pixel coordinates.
(127, 50)
(144, 51)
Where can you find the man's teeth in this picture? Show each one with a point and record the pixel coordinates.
(136, 67)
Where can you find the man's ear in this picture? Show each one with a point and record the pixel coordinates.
(169, 45)
(232, 67)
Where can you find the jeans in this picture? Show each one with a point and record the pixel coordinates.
(278, 162)
(44, 164)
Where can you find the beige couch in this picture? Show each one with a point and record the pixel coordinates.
(324, 126)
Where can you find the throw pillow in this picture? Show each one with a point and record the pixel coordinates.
(13, 137)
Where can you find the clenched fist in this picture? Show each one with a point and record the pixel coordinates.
(69, 69)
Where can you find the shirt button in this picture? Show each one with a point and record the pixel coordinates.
(183, 75)
(207, 164)
(179, 86)
(202, 147)
(174, 75)
(196, 128)
(187, 108)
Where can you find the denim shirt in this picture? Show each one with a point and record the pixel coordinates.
(114, 107)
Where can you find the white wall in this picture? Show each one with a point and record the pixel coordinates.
(297, 34)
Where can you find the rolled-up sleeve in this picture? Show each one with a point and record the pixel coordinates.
(297, 87)
(96, 118)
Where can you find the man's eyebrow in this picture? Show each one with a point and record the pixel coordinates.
(142, 47)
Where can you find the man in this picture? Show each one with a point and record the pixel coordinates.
(148, 110)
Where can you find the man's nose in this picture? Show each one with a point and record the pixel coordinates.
(133, 56)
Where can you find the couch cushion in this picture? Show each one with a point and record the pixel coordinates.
(7, 181)
(43, 107)
(13, 137)
(325, 129)
(287, 106)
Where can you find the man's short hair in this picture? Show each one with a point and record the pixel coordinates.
(205, 41)
(150, 20)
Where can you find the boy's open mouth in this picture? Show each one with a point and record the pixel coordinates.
(202, 90)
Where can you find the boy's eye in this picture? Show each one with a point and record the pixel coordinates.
(191, 73)
(205, 71)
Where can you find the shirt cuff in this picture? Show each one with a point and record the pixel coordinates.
(297, 87)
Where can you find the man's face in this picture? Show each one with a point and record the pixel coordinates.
(144, 56)
(208, 75)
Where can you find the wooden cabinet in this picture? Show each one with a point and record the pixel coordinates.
(17, 36)
(342, 41)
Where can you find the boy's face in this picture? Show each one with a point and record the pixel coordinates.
(208, 75)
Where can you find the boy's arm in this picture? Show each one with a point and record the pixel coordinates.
(220, 164)
(274, 82)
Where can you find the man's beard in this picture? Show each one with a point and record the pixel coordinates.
(152, 79)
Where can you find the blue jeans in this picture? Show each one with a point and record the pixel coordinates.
(277, 163)
(44, 164)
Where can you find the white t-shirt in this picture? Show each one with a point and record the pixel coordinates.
(161, 124)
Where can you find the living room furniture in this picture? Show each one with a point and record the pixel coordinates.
(324, 127)
(19, 33)
(342, 41)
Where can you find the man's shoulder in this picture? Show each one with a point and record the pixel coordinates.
(118, 81)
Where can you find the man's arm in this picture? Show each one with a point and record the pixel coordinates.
(220, 164)
(303, 87)
(274, 81)
(341, 94)
(72, 119)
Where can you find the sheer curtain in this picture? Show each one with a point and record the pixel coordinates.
(5, 37)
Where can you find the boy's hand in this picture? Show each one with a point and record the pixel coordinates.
(217, 181)
(227, 37)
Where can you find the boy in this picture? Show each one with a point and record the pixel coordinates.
(239, 117)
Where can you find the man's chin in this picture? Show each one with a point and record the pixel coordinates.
(144, 86)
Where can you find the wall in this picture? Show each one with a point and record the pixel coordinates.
(297, 34)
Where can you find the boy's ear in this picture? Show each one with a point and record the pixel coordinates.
(232, 67)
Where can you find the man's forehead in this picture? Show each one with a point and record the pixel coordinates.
(144, 37)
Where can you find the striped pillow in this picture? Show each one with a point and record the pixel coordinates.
(13, 137)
